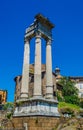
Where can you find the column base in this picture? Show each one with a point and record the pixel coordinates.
(49, 96)
(37, 96)
(24, 96)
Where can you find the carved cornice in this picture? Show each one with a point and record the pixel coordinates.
(40, 25)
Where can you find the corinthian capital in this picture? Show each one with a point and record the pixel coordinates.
(38, 34)
(26, 40)
(49, 41)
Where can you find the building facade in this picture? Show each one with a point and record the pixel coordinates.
(3, 96)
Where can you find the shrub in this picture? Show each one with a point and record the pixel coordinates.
(81, 103)
(81, 113)
(67, 110)
(59, 96)
(72, 99)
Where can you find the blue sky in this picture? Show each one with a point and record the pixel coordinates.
(67, 46)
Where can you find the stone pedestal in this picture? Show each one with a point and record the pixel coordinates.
(37, 106)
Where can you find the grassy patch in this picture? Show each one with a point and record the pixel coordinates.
(65, 105)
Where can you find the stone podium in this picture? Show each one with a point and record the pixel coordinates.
(37, 104)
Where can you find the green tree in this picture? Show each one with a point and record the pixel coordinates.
(69, 91)
(9, 106)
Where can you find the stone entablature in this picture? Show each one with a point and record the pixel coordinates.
(41, 24)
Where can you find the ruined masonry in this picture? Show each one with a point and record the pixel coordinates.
(37, 105)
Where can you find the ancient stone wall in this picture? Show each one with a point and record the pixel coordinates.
(18, 81)
(34, 123)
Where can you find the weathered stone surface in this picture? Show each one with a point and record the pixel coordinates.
(46, 123)
(35, 123)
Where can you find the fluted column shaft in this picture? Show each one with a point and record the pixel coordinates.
(25, 73)
(37, 67)
(49, 80)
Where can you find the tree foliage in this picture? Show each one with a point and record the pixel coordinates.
(69, 91)
(9, 106)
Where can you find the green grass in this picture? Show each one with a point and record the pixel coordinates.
(65, 105)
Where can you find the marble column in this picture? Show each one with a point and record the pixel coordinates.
(37, 67)
(49, 80)
(25, 73)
